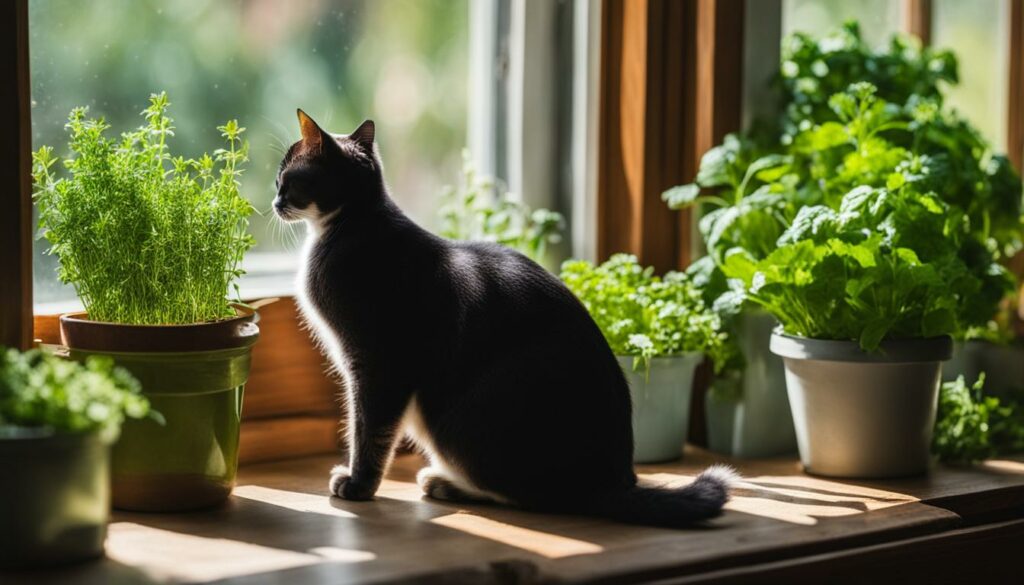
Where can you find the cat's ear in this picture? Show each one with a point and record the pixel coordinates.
(363, 135)
(312, 136)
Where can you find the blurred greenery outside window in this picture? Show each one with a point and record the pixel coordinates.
(403, 63)
(974, 30)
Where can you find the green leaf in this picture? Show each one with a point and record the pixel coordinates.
(682, 196)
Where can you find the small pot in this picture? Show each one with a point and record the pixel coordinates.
(859, 414)
(54, 496)
(194, 376)
(747, 412)
(661, 404)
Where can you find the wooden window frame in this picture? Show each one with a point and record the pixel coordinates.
(671, 88)
(15, 178)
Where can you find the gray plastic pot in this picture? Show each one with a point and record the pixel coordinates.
(748, 412)
(661, 405)
(54, 496)
(863, 415)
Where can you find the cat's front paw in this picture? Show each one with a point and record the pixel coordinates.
(341, 485)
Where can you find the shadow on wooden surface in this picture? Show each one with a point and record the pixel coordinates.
(280, 527)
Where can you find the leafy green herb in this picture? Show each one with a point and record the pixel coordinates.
(885, 265)
(144, 237)
(478, 209)
(38, 389)
(643, 315)
(971, 426)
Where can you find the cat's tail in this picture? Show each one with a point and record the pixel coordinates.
(670, 507)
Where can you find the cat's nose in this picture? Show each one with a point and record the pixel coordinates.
(279, 203)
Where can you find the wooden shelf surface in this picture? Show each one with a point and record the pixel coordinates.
(280, 527)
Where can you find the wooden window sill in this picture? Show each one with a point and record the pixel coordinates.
(782, 526)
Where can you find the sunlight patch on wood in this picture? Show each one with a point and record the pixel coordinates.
(297, 501)
(400, 490)
(343, 555)
(1004, 466)
(799, 500)
(166, 555)
(552, 546)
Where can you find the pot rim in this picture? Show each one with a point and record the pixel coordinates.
(77, 331)
(891, 351)
(686, 355)
(26, 433)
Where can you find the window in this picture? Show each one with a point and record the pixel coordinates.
(879, 19)
(401, 62)
(977, 32)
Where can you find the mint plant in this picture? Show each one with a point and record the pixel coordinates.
(145, 237)
(837, 136)
(478, 209)
(644, 315)
(39, 389)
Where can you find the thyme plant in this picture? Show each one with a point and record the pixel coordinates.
(145, 237)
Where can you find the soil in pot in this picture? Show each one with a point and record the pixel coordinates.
(54, 498)
(661, 405)
(194, 376)
(863, 415)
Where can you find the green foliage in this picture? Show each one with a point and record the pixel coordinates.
(884, 266)
(477, 209)
(39, 389)
(643, 315)
(971, 426)
(144, 237)
(871, 186)
(813, 70)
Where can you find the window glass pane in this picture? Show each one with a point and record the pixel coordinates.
(977, 32)
(879, 19)
(400, 62)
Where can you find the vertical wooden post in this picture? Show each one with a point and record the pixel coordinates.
(15, 181)
(917, 19)
(1015, 112)
(671, 80)
(640, 130)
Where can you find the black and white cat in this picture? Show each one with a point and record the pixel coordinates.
(482, 357)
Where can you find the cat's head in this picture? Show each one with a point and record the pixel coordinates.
(323, 173)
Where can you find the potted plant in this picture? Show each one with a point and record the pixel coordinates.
(660, 331)
(57, 421)
(746, 408)
(152, 244)
(826, 141)
(868, 298)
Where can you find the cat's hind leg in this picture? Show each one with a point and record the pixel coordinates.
(438, 485)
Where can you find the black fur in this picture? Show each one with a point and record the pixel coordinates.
(520, 397)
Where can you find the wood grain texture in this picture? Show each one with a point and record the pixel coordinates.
(15, 178)
(980, 554)
(641, 128)
(287, 437)
(280, 527)
(288, 374)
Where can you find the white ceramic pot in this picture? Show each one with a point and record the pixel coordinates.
(661, 404)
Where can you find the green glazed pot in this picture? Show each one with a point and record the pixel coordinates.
(54, 496)
(661, 405)
(194, 376)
